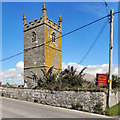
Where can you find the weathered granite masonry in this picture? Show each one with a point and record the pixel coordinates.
(88, 100)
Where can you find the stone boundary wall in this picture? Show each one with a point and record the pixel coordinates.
(88, 100)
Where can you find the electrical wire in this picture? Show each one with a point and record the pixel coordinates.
(107, 7)
(25, 50)
(11, 56)
(70, 32)
(94, 42)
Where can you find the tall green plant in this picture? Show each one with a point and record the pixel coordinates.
(115, 82)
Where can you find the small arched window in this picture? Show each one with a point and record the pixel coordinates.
(33, 36)
(53, 37)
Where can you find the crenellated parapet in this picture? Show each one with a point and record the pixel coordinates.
(53, 25)
(32, 24)
(43, 20)
(40, 21)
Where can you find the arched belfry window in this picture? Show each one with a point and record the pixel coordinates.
(53, 37)
(33, 36)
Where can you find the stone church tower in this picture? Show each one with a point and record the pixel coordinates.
(42, 47)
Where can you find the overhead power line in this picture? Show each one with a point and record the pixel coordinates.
(85, 25)
(71, 32)
(94, 42)
(58, 37)
(107, 6)
(11, 56)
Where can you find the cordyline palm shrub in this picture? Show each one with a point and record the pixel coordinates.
(69, 80)
(65, 80)
(72, 80)
(48, 80)
(115, 82)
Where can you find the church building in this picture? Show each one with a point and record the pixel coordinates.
(42, 47)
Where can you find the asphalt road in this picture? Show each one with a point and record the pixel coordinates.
(12, 108)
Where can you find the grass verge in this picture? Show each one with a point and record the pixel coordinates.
(113, 111)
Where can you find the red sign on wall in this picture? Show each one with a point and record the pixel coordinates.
(102, 79)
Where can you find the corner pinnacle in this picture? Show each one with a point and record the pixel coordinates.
(60, 20)
(44, 8)
(24, 19)
(44, 11)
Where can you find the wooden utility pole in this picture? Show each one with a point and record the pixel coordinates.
(110, 57)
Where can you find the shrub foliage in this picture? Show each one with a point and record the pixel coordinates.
(66, 80)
